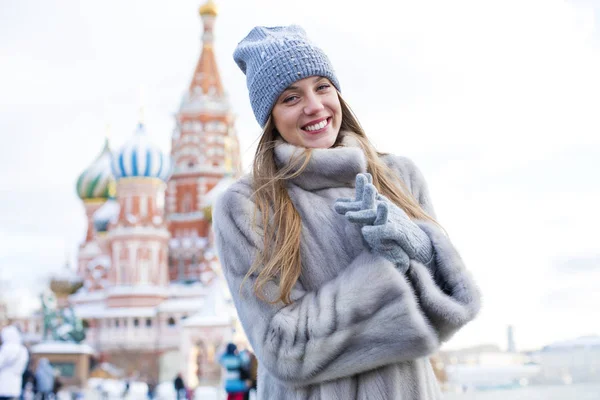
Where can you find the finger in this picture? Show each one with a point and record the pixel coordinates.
(369, 177)
(382, 214)
(361, 181)
(369, 197)
(344, 207)
(362, 216)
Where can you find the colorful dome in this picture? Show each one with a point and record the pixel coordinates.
(210, 8)
(97, 182)
(140, 158)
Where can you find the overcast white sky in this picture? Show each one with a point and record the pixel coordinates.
(498, 102)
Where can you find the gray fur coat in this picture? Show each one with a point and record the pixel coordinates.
(357, 327)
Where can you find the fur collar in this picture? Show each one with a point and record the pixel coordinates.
(327, 168)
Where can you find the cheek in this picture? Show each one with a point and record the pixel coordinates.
(285, 121)
(335, 106)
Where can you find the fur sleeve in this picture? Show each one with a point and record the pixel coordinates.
(447, 293)
(348, 326)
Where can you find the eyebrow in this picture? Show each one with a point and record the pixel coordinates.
(292, 87)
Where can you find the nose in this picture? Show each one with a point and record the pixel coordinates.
(313, 104)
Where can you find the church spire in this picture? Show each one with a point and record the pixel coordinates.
(206, 79)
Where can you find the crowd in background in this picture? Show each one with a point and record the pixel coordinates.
(20, 379)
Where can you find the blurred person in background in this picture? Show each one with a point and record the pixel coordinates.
(342, 278)
(235, 385)
(151, 388)
(44, 376)
(180, 389)
(58, 383)
(13, 361)
(249, 371)
(28, 386)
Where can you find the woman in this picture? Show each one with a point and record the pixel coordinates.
(341, 277)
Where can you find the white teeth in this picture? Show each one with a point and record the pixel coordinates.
(316, 127)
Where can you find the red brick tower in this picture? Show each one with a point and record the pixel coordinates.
(204, 150)
(139, 237)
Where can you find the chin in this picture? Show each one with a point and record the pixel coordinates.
(321, 143)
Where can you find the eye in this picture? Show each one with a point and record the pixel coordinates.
(323, 86)
(289, 99)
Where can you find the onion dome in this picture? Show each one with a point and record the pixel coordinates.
(139, 158)
(209, 8)
(97, 182)
(65, 281)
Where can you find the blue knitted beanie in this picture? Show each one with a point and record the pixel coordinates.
(274, 58)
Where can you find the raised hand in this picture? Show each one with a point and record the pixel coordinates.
(393, 226)
(346, 204)
(388, 226)
(382, 238)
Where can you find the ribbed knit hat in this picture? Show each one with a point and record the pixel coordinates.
(275, 57)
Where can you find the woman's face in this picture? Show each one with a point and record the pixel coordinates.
(308, 113)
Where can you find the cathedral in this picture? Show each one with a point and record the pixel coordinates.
(153, 299)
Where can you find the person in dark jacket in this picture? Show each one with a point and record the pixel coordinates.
(180, 387)
(249, 371)
(29, 384)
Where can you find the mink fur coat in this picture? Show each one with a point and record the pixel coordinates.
(357, 328)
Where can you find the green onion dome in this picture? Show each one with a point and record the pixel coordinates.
(97, 181)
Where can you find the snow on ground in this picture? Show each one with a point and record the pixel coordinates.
(111, 389)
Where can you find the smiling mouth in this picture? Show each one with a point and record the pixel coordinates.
(317, 127)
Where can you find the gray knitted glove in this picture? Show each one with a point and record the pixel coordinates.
(382, 237)
(387, 227)
(346, 204)
(390, 224)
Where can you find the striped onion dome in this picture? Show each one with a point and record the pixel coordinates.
(140, 158)
(97, 181)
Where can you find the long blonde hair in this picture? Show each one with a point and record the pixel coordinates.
(280, 260)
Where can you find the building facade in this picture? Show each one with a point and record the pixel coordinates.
(153, 298)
